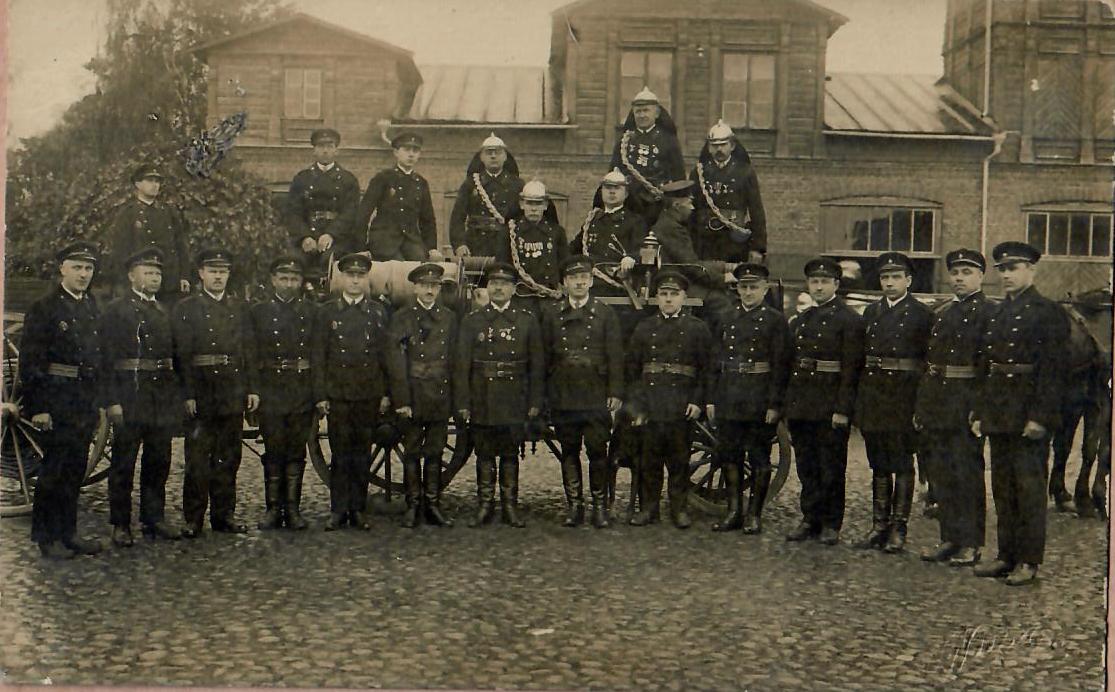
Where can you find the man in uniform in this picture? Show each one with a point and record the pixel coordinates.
(498, 385)
(584, 358)
(143, 399)
(538, 242)
(820, 400)
(612, 232)
(945, 399)
(321, 206)
(672, 227)
(282, 327)
(667, 361)
(143, 221)
(648, 153)
(420, 342)
(396, 217)
(1018, 406)
(212, 347)
(896, 335)
(487, 198)
(751, 365)
(350, 387)
(729, 224)
(59, 363)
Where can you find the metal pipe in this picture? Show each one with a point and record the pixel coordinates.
(910, 135)
(987, 58)
(999, 138)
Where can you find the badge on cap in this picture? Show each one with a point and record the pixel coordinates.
(576, 264)
(407, 139)
(355, 261)
(965, 256)
(614, 178)
(79, 251)
(750, 272)
(214, 257)
(825, 267)
(500, 270)
(1015, 251)
(670, 278)
(891, 261)
(286, 263)
(427, 272)
(149, 257)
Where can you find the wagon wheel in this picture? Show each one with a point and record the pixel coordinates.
(708, 492)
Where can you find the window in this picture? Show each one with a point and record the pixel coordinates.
(747, 96)
(302, 94)
(645, 68)
(1069, 234)
(871, 229)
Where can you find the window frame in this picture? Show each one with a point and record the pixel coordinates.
(892, 205)
(302, 113)
(623, 102)
(1068, 214)
(750, 55)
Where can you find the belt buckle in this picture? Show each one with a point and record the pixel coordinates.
(807, 363)
(934, 370)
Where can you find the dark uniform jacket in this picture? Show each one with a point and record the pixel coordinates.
(349, 360)
(885, 400)
(541, 248)
(402, 208)
(759, 335)
(944, 403)
(138, 225)
(283, 341)
(472, 224)
(830, 332)
(134, 329)
(584, 356)
(499, 369)
(1032, 330)
(735, 191)
(420, 345)
(656, 154)
(204, 327)
(321, 201)
(679, 347)
(609, 234)
(673, 233)
(63, 331)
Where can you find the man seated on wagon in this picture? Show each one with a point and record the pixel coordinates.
(648, 153)
(487, 198)
(729, 223)
(611, 233)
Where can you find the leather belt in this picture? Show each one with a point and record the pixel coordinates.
(580, 360)
(501, 369)
(208, 360)
(484, 223)
(815, 365)
(746, 368)
(903, 364)
(429, 371)
(72, 372)
(323, 215)
(143, 364)
(656, 368)
(1012, 368)
(295, 364)
(952, 372)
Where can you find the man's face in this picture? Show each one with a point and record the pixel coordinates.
(407, 155)
(804, 302)
(354, 282)
(577, 284)
(895, 283)
(145, 278)
(213, 279)
(721, 152)
(645, 115)
(427, 291)
(286, 284)
(149, 187)
(684, 207)
(76, 275)
(1016, 276)
(533, 209)
(821, 288)
(500, 290)
(965, 279)
(751, 293)
(325, 151)
(493, 158)
(613, 195)
(670, 299)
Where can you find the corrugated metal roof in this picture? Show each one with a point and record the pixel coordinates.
(481, 94)
(899, 104)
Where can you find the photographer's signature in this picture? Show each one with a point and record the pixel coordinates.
(981, 642)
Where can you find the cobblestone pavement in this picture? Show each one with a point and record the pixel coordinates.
(546, 607)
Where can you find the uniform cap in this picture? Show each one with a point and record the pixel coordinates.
(79, 250)
(214, 257)
(534, 190)
(355, 261)
(429, 272)
(614, 178)
(1015, 251)
(645, 97)
(151, 256)
(824, 266)
(325, 134)
(147, 170)
(720, 133)
(966, 256)
(407, 139)
(889, 261)
(750, 272)
(677, 188)
(499, 270)
(671, 278)
(286, 263)
(493, 142)
(575, 265)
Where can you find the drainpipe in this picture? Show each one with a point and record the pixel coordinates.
(998, 138)
(987, 58)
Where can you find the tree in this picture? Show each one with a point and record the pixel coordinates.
(149, 105)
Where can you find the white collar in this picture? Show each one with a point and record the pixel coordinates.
(958, 299)
(498, 308)
(214, 296)
(646, 131)
(353, 301)
(284, 302)
(722, 165)
(144, 296)
(403, 170)
(143, 201)
(827, 301)
(75, 296)
(493, 175)
(614, 209)
(323, 167)
(891, 304)
(424, 306)
(578, 304)
(670, 317)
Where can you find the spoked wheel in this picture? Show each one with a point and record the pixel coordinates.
(707, 491)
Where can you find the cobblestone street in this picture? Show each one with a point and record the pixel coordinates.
(546, 607)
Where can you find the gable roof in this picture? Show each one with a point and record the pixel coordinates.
(835, 19)
(900, 104)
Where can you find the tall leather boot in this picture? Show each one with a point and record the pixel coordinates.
(509, 492)
(485, 492)
(760, 486)
(598, 489)
(880, 513)
(412, 491)
(431, 477)
(678, 491)
(900, 516)
(574, 499)
(272, 487)
(294, 518)
(733, 519)
(650, 493)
